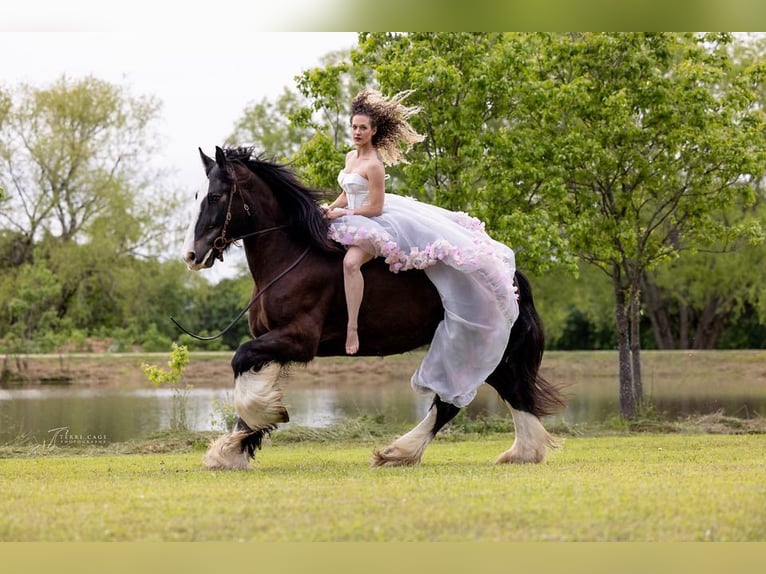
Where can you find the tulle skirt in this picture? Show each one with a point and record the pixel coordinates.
(473, 274)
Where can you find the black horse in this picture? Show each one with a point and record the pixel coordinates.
(298, 312)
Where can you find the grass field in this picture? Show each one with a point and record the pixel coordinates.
(631, 487)
(653, 480)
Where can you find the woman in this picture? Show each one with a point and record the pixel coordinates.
(472, 272)
(362, 180)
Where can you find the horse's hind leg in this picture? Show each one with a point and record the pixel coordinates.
(532, 441)
(408, 449)
(517, 380)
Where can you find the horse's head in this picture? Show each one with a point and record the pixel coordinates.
(247, 197)
(209, 235)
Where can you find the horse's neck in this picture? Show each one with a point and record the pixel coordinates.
(264, 207)
(273, 249)
(269, 254)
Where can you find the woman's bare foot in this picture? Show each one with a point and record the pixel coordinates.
(352, 341)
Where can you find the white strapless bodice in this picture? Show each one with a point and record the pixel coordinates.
(357, 189)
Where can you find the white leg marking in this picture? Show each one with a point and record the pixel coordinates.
(258, 402)
(408, 449)
(258, 397)
(532, 440)
(225, 453)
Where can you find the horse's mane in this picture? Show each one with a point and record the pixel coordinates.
(299, 202)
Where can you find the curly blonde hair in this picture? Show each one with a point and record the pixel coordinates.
(390, 118)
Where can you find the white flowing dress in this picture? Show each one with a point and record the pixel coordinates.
(472, 272)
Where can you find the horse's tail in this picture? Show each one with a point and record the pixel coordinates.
(517, 378)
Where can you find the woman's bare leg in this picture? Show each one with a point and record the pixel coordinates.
(354, 284)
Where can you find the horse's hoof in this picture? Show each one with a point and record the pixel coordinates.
(390, 457)
(226, 453)
(515, 456)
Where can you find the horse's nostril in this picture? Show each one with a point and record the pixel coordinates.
(189, 257)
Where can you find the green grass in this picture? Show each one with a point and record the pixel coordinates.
(651, 479)
(644, 487)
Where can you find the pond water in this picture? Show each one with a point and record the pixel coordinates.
(96, 416)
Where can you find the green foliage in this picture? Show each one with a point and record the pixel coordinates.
(173, 377)
(224, 414)
(704, 295)
(462, 83)
(329, 90)
(318, 163)
(211, 307)
(638, 153)
(83, 212)
(29, 312)
(154, 341)
(577, 311)
(659, 142)
(73, 160)
(267, 125)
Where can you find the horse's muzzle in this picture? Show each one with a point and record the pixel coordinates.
(193, 264)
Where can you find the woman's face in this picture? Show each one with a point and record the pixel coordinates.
(362, 129)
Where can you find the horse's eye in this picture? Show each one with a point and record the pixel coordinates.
(213, 199)
(196, 195)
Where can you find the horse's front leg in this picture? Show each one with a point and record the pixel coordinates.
(258, 389)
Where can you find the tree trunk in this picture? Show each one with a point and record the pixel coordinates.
(635, 343)
(658, 315)
(627, 400)
(710, 325)
(683, 328)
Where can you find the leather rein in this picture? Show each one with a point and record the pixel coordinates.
(221, 243)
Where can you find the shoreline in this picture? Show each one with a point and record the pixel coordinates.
(727, 372)
(205, 370)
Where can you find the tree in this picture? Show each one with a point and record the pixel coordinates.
(84, 201)
(655, 139)
(461, 82)
(5, 106)
(610, 147)
(30, 297)
(73, 158)
(694, 300)
(213, 308)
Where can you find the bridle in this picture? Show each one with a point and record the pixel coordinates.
(222, 242)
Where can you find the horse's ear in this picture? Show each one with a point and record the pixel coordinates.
(208, 162)
(220, 157)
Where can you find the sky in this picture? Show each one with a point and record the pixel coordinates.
(204, 80)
